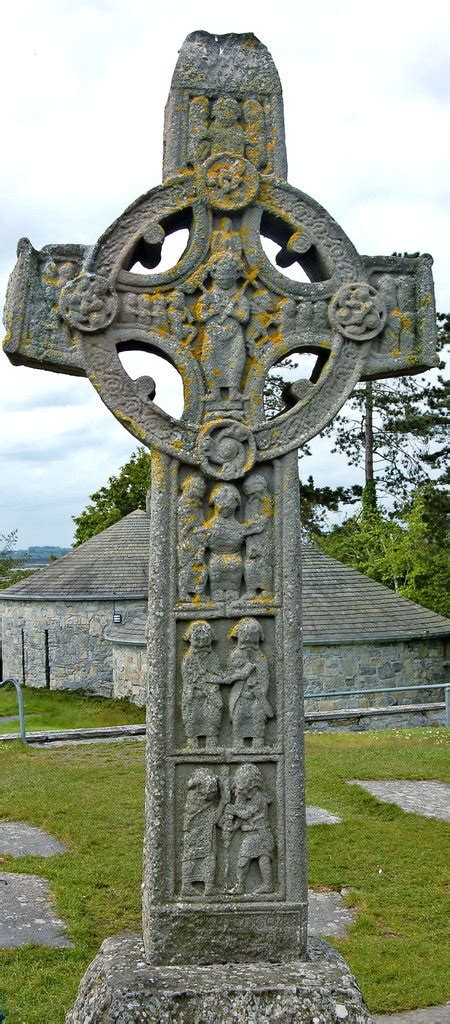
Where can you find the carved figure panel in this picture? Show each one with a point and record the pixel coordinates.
(227, 125)
(230, 841)
(226, 695)
(225, 540)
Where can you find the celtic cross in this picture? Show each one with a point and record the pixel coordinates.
(224, 865)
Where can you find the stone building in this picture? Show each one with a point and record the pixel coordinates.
(80, 624)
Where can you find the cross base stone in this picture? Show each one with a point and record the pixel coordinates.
(120, 987)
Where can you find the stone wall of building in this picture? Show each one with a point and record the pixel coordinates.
(129, 671)
(359, 666)
(60, 644)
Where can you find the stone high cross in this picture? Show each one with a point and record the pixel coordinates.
(224, 864)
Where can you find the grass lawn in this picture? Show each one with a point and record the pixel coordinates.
(92, 798)
(53, 709)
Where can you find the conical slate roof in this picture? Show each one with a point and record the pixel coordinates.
(339, 604)
(112, 564)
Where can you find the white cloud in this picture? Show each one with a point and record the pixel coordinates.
(84, 87)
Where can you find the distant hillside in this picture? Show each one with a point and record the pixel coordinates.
(37, 554)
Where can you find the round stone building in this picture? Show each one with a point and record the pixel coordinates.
(80, 624)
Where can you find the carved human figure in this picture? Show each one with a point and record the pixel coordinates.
(263, 309)
(180, 319)
(248, 668)
(224, 538)
(202, 811)
(54, 277)
(192, 571)
(225, 238)
(258, 558)
(249, 813)
(158, 313)
(225, 131)
(201, 700)
(223, 309)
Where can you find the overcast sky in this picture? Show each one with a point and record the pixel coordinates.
(366, 91)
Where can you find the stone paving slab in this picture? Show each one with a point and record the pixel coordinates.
(430, 1015)
(27, 915)
(327, 915)
(430, 799)
(319, 816)
(20, 840)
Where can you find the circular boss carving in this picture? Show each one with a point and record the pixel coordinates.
(228, 182)
(358, 311)
(89, 302)
(227, 449)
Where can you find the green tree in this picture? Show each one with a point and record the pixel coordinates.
(398, 428)
(406, 555)
(316, 502)
(122, 494)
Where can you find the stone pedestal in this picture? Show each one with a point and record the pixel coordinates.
(120, 987)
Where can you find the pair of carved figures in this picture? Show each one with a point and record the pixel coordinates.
(246, 673)
(211, 806)
(222, 549)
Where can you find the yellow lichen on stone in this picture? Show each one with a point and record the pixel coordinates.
(131, 425)
(158, 469)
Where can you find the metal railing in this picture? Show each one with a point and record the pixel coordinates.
(308, 696)
(386, 689)
(15, 682)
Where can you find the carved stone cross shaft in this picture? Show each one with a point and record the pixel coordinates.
(224, 866)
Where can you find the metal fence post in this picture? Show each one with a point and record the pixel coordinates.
(447, 706)
(18, 687)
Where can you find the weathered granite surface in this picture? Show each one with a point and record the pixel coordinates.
(121, 988)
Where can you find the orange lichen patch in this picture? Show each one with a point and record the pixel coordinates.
(54, 281)
(426, 301)
(395, 353)
(176, 445)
